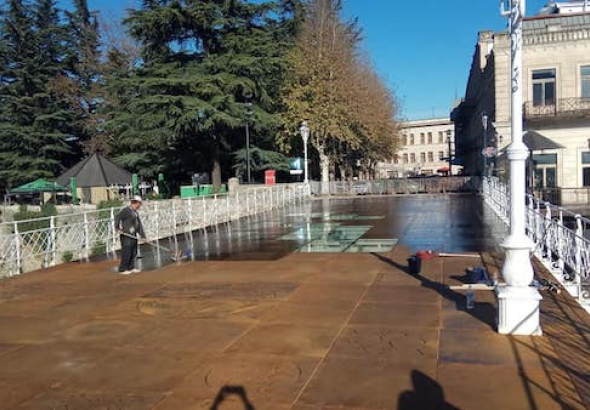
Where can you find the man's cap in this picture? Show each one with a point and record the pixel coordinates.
(136, 198)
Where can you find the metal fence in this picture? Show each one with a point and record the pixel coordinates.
(561, 237)
(44, 242)
(429, 185)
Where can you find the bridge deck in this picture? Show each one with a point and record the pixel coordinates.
(308, 331)
(301, 331)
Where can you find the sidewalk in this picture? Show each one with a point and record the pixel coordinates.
(305, 332)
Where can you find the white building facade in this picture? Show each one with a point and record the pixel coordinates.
(424, 150)
(556, 115)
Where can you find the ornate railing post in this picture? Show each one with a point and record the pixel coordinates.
(113, 229)
(86, 237)
(547, 245)
(578, 242)
(52, 244)
(560, 263)
(18, 250)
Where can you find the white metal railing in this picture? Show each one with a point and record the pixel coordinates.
(561, 237)
(44, 242)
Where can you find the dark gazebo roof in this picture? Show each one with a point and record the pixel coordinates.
(538, 142)
(95, 171)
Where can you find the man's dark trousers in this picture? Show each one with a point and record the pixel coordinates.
(128, 253)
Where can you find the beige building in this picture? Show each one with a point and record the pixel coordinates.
(556, 88)
(424, 150)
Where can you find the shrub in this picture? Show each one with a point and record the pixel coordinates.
(29, 220)
(104, 208)
(99, 248)
(67, 256)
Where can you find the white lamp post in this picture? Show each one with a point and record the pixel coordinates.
(518, 300)
(304, 131)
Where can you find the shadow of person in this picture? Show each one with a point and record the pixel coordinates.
(427, 395)
(228, 392)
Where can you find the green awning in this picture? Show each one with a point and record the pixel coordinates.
(39, 186)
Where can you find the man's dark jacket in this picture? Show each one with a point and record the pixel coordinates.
(129, 222)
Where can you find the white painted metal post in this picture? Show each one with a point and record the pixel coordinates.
(52, 244)
(518, 301)
(18, 243)
(113, 233)
(579, 243)
(560, 243)
(547, 252)
(86, 238)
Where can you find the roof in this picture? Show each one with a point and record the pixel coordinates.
(96, 171)
(38, 186)
(538, 142)
(565, 22)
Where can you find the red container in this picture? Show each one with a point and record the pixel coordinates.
(270, 177)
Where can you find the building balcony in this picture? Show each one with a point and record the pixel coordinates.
(564, 108)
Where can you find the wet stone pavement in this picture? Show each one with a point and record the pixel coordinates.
(264, 320)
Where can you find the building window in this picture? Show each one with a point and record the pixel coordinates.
(422, 157)
(585, 81)
(405, 158)
(430, 157)
(430, 138)
(586, 168)
(405, 140)
(422, 138)
(411, 139)
(441, 137)
(544, 87)
(441, 155)
(544, 171)
(413, 158)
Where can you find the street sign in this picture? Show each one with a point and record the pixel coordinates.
(489, 152)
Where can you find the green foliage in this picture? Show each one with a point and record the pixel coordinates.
(104, 208)
(260, 160)
(98, 249)
(31, 220)
(155, 197)
(35, 118)
(202, 63)
(67, 257)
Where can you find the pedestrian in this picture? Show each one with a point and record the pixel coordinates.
(129, 226)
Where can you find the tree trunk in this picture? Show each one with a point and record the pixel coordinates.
(216, 171)
(325, 169)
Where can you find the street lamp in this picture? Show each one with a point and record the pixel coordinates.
(248, 116)
(304, 131)
(450, 158)
(518, 302)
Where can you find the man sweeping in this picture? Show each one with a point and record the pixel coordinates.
(129, 226)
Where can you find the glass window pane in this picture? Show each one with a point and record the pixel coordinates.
(537, 94)
(549, 93)
(539, 178)
(550, 178)
(585, 70)
(543, 74)
(586, 88)
(544, 159)
(585, 157)
(586, 173)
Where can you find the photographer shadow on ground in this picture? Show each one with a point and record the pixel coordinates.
(229, 393)
(427, 395)
(482, 311)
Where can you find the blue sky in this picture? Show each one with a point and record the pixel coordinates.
(423, 49)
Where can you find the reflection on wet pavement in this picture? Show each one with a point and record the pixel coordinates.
(443, 223)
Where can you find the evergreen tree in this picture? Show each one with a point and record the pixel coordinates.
(34, 120)
(203, 61)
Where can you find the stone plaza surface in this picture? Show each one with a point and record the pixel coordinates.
(303, 331)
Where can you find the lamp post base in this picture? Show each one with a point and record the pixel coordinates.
(518, 310)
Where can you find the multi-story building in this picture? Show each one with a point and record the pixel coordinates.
(556, 89)
(424, 150)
